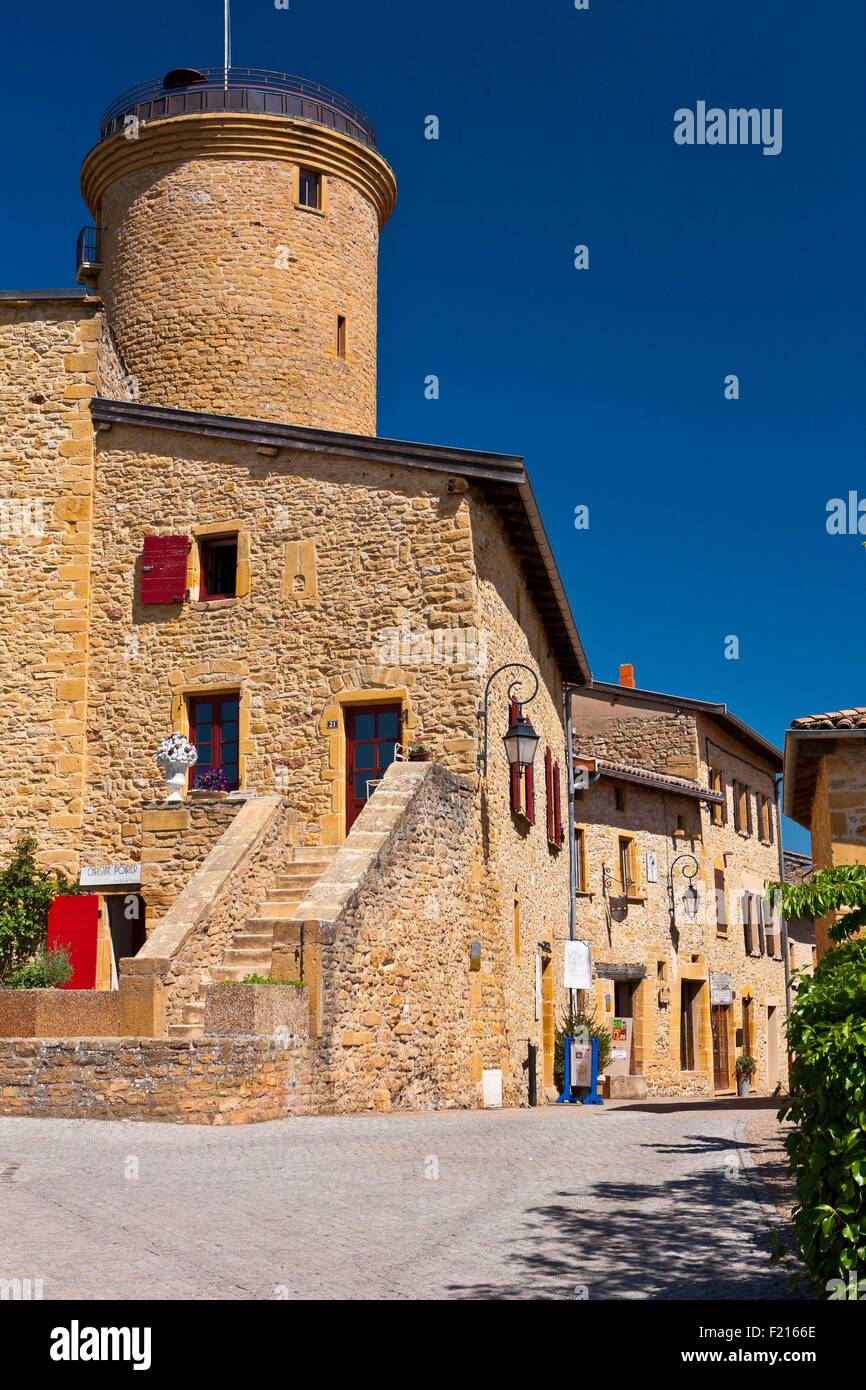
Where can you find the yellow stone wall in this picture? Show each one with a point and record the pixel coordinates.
(222, 291)
(638, 931)
(48, 359)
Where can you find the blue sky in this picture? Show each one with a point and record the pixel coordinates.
(707, 516)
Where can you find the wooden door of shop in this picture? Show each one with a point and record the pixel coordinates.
(372, 735)
(721, 1055)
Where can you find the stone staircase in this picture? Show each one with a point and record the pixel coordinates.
(251, 947)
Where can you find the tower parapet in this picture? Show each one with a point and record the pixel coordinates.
(238, 218)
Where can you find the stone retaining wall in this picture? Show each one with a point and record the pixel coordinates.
(59, 1013)
(218, 1082)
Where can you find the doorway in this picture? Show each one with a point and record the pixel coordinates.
(126, 923)
(548, 1020)
(720, 1017)
(372, 735)
(772, 1048)
(689, 1024)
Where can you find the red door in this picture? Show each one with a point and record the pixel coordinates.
(372, 735)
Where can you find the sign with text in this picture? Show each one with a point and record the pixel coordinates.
(578, 965)
(110, 876)
(721, 989)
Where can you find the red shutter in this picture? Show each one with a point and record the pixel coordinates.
(513, 775)
(163, 569)
(558, 836)
(548, 791)
(529, 792)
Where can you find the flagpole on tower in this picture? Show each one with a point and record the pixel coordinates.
(227, 36)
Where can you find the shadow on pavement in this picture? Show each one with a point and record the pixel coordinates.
(696, 1237)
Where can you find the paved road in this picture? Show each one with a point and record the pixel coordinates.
(557, 1203)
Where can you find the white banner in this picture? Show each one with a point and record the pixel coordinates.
(578, 965)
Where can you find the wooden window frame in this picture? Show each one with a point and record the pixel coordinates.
(722, 923)
(341, 339)
(581, 879)
(306, 170)
(217, 698)
(216, 542)
(717, 810)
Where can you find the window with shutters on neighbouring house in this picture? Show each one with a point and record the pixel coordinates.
(629, 866)
(717, 811)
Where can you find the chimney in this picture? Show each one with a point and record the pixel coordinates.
(626, 676)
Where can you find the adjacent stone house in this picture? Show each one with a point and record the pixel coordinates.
(825, 790)
(677, 835)
(213, 540)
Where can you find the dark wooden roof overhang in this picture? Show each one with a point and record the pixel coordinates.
(500, 478)
(804, 749)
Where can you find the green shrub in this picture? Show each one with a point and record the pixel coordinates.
(25, 896)
(47, 970)
(578, 1023)
(827, 1034)
(746, 1065)
(260, 980)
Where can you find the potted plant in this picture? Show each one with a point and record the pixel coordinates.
(419, 753)
(214, 780)
(746, 1068)
(176, 755)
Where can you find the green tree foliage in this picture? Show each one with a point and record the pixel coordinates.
(26, 892)
(47, 970)
(827, 1034)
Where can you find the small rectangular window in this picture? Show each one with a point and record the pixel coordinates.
(619, 798)
(310, 189)
(718, 811)
(629, 867)
(721, 903)
(214, 729)
(341, 335)
(219, 567)
(580, 879)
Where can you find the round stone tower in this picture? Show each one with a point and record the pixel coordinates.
(236, 245)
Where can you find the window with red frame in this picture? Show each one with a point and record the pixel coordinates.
(213, 728)
(522, 789)
(219, 567)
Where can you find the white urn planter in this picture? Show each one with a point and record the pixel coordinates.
(176, 755)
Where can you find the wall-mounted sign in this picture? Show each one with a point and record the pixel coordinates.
(652, 867)
(333, 724)
(578, 965)
(110, 875)
(721, 989)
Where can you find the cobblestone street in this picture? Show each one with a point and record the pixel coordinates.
(639, 1202)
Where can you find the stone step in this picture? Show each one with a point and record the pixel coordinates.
(254, 940)
(239, 955)
(293, 883)
(238, 972)
(270, 911)
(193, 1012)
(313, 854)
(283, 891)
(180, 1031)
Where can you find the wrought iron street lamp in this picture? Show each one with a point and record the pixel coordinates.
(691, 896)
(520, 738)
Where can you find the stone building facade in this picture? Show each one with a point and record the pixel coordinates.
(825, 791)
(680, 795)
(225, 544)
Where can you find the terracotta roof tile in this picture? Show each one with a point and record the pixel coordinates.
(839, 719)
